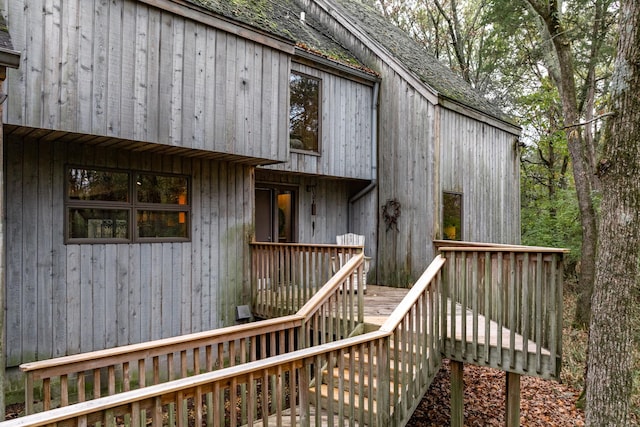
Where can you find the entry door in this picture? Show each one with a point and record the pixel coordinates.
(264, 216)
(275, 215)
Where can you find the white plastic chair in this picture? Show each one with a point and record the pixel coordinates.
(352, 239)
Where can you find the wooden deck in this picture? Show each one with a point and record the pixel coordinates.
(380, 301)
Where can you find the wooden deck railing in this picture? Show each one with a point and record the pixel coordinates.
(415, 345)
(504, 306)
(399, 357)
(286, 275)
(329, 315)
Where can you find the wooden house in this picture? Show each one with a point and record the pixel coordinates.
(147, 143)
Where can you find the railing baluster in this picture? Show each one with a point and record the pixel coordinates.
(475, 285)
(500, 294)
(539, 307)
(489, 295)
(512, 310)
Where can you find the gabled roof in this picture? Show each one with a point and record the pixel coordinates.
(283, 19)
(415, 57)
(286, 19)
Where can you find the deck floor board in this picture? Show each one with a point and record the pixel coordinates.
(380, 301)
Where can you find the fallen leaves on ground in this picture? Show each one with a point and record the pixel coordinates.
(542, 402)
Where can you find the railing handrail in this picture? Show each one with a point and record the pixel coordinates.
(233, 332)
(150, 348)
(504, 287)
(517, 249)
(243, 370)
(108, 402)
(305, 245)
(325, 292)
(458, 244)
(394, 320)
(100, 359)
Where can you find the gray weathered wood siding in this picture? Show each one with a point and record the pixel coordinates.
(345, 134)
(406, 170)
(414, 131)
(124, 69)
(482, 162)
(405, 167)
(70, 298)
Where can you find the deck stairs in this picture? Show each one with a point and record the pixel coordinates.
(352, 388)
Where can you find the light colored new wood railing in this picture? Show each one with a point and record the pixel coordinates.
(415, 345)
(401, 357)
(286, 275)
(504, 306)
(328, 315)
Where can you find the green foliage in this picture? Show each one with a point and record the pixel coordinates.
(553, 222)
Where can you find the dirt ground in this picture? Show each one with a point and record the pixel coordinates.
(543, 403)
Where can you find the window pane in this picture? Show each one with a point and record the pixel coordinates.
(98, 223)
(101, 185)
(452, 216)
(304, 112)
(161, 189)
(162, 223)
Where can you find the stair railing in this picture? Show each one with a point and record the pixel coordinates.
(286, 275)
(331, 314)
(276, 389)
(414, 345)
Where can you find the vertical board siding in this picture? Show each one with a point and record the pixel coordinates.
(345, 134)
(406, 165)
(406, 174)
(65, 299)
(475, 158)
(124, 69)
(481, 162)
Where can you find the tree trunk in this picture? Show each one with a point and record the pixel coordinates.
(583, 174)
(609, 374)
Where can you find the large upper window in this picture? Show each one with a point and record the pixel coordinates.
(104, 205)
(304, 113)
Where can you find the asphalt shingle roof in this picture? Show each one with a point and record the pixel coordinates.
(415, 57)
(282, 18)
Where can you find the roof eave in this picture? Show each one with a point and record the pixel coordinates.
(220, 22)
(479, 115)
(338, 66)
(9, 58)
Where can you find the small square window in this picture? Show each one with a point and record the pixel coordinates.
(304, 112)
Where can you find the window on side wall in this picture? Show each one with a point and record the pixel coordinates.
(116, 206)
(451, 216)
(304, 112)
